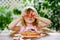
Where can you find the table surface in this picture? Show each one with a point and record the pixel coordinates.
(51, 36)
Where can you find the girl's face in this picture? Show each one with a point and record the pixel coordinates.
(29, 17)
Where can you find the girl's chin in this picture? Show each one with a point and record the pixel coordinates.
(30, 22)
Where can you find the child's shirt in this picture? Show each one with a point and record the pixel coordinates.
(31, 28)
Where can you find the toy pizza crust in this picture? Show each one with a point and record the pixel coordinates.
(30, 34)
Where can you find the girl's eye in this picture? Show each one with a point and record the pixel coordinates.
(29, 15)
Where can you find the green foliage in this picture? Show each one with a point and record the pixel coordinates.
(42, 14)
(5, 17)
(45, 4)
(16, 11)
(30, 1)
(54, 16)
(24, 1)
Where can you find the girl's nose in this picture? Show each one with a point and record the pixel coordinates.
(30, 15)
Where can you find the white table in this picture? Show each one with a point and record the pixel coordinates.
(52, 36)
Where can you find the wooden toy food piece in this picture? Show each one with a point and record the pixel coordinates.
(30, 34)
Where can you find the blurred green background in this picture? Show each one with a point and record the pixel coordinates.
(46, 8)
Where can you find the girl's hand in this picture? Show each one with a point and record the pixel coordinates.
(36, 16)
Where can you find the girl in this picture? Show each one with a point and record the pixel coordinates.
(29, 20)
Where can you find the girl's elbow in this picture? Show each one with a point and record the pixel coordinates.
(47, 25)
(49, 22)
(10, 27)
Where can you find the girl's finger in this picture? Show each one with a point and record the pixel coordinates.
(36, 17)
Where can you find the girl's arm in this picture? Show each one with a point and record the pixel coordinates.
(13, 24)
(43, 22)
